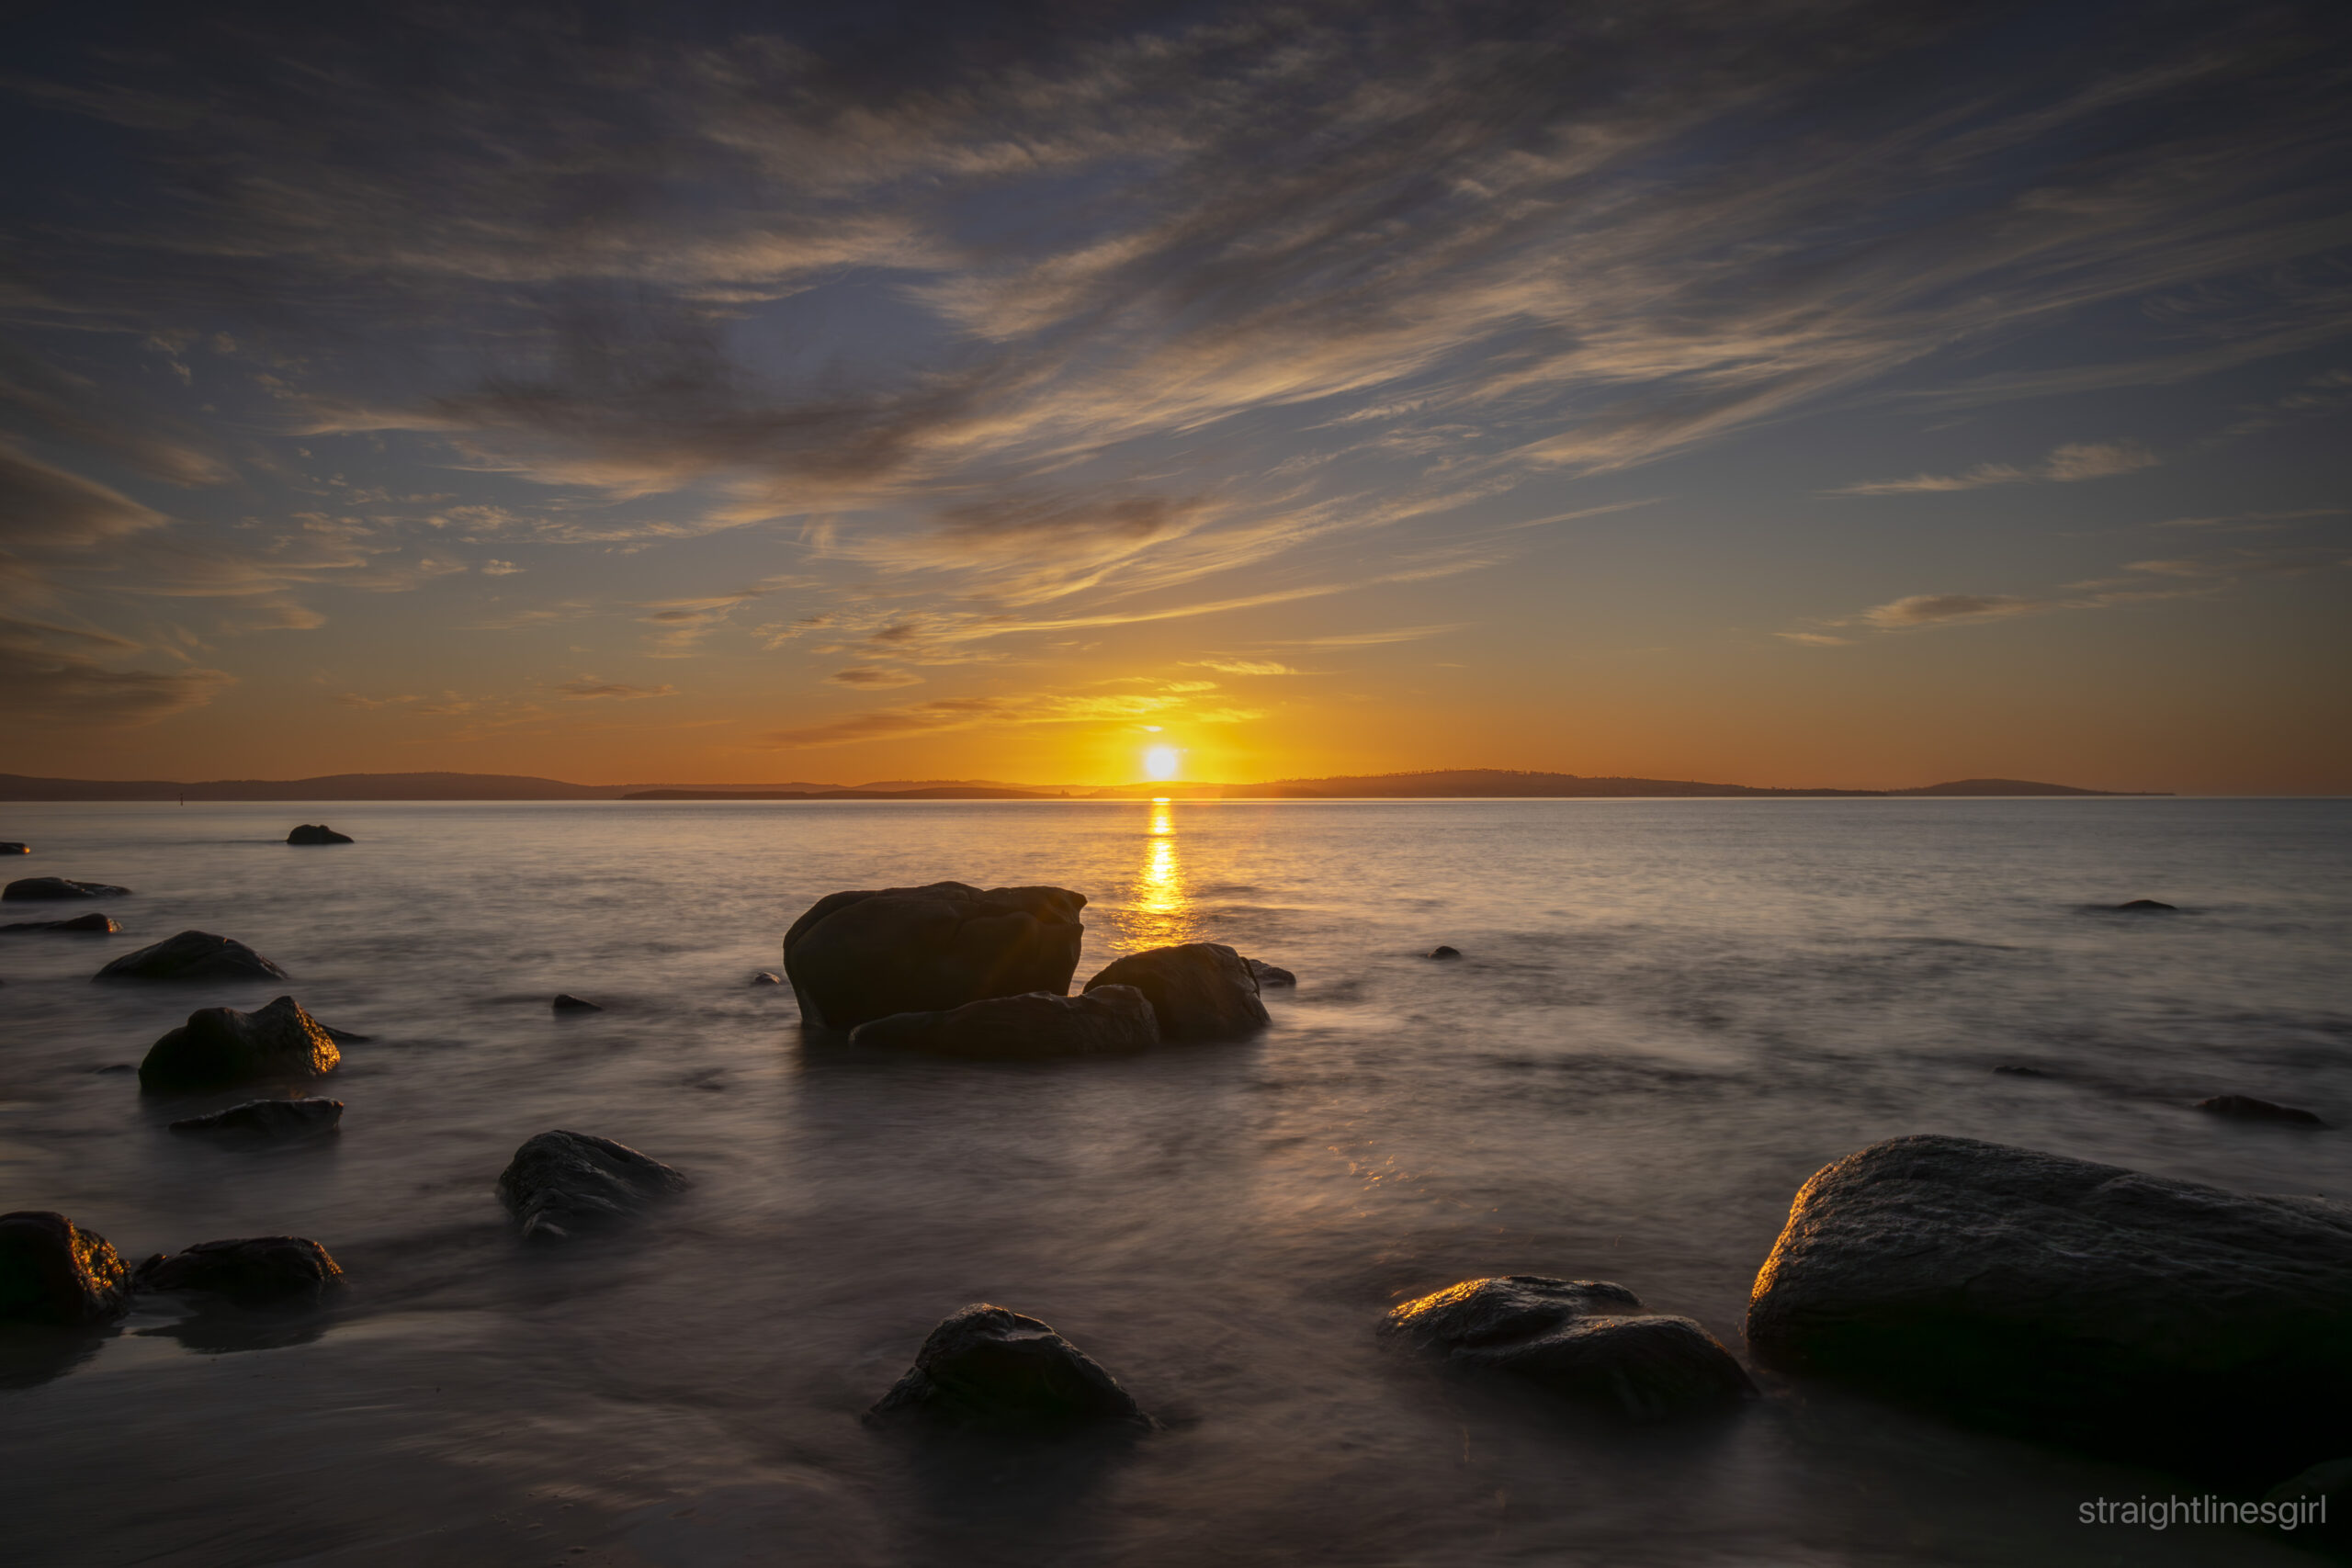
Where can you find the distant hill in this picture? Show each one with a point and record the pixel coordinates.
(2013, 787)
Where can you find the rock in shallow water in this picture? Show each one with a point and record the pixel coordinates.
(1584, 1340)
(854, 957)
(2064, 1300)
(562, 1183)
(250, 1270)
(1443, 952)
(96, 925)
(2147, 906)
(193, 955)
(1105, 1022)
(218, 1047)
(1201, 990)
(35, 888)
(989, 1366)
(11, 847)
(303, 1118)
(2245, 1108)
(54, 1272)
(566, 1002)
(317, 833)
(1266, 974)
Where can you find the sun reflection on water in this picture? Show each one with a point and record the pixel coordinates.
(1158, 911)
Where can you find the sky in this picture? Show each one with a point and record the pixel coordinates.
(1790, 393)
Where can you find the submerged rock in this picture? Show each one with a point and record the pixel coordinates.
(2146, 907)
(989, 1366)
(2016, 1072)
(854, 957)
(95, 924)
(304, 1118)
(1266, 974)
(50, 888)
(2080, 1302)
(1201, 990)
(2245, 1108)
(218, 1047)
(566, 1002)
(193, 955)
(317, 833)
(52, 1271)
(253, 1270)
(1584, 1340)
(1443, 952)
(561, 1183)
(1110, 1020)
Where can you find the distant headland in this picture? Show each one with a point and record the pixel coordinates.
(1455, 784)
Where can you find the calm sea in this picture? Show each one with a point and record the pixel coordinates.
(1666, 1015)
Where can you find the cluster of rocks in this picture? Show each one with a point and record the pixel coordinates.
(54, 1272)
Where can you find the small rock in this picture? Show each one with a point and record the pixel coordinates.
(10, 847)
(346, 1036)
(1109, 1021)
(989, 1366)
(250, 1270)
(117, 1068)
(1443, 952)
(96, 925)
(1201, 990)
(304, 1118)
(561, 1183)
(41, 887)
(317, 833)
(566, 1002)
(54, 1272)
(2146, 905)
(193, 955)
(218, 1047)
(2022, 1072)
(1585, 1339)
(766, 978)
(853, 957)
(2245, 1108)
(1266, 974)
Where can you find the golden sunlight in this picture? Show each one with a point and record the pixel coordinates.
(1162, 762)
(1160, 912)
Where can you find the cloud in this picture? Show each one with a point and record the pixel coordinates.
(43, 683)
(45, 507)
(967, 713)
(2252, 522)
(1814, 640)
(2065, 465)
(1373, 638)
(587, 688)
(872, 677)
(1929, 609)
(499, 569)
(1244, 666)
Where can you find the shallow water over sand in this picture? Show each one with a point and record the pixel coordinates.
(1668, 1013)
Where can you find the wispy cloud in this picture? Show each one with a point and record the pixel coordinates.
(2065, 465)
(587, 688)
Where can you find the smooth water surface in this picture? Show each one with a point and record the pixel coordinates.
(1667, 1014)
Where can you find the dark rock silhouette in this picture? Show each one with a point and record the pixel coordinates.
(304, 1118)
(2015, 1072)
(2146, 907)
(52, 887)
(854, 957)
(2245, 1108)
(317, 833)
(250, 1270)
(1201, 990)
(2070, 1302)
(989, 1366)
(1584, 1340)
(1266, 974)
(560, 1184)
(766, 978)
(54, 1272)
(218, 1047)
(2328, 1484)
(95, 924)
(193, 955)
(1110, 1020)
(566, 1002)
(10, 847)
(1443, 952)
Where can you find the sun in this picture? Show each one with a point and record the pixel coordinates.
(1161, 761)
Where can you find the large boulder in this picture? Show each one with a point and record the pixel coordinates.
(50, 888)
(560, 1184)
(251, 1270)
(95, 924)
(52, 1271)
(2083, 1303)
(1203, 990)
(218, 1047)
(988, 1365)
(1112, 1021)
(193, 955)
(304, 1118)
(317, 833)
(1587, 1340)
(854, 957)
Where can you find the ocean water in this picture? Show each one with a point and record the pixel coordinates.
(1667, 1014)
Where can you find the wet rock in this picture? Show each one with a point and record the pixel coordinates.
(317, 833)
(566, 1002)
(95, 924)
(989, 1366)
(1110, 1020)
(52, 887)
(2072, 1302)
(2146, 907)
(766, 978)
(1443, 952)
(10, 847)
(304, 1118)
(1583, 1339)
(251, 1270)
(1201, 990)
(52, 1271)
(1266, 974)
(2245, 1108)
(560, 1184)
(345, 1036)
(854, 957)
(193, 955)
(218, 1047)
